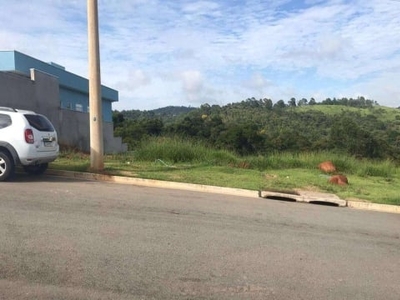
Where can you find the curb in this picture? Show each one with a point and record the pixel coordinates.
(155, 183)
(374, 206)
(300, 196)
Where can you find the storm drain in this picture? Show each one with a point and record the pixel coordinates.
(280, 198)
(325, 203)
(306, 197)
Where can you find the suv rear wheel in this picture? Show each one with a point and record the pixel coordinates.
(36, 169)
(6, 166)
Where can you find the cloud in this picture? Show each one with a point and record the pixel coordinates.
(201, 8)
(133, 80)
(192, 85)
(185, 52)
(383, 86)
(192, 81)
(257, 82)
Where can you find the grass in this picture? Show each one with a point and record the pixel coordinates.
(386, 114)
(185, 161)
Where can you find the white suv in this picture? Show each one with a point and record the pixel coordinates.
(27, 139)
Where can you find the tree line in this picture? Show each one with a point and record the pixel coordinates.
(259, 127)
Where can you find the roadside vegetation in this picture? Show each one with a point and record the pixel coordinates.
(261, 145)
(188, 161)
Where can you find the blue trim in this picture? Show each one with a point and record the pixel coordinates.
(74, 89)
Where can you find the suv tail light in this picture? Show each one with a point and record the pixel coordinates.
(29, 138)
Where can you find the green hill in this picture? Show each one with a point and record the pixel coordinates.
(361, 128)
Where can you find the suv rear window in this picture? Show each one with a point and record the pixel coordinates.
(5, 121)
(39, 122)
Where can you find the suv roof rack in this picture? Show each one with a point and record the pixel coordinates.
(5, 108)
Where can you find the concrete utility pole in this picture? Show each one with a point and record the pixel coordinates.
(95, 103)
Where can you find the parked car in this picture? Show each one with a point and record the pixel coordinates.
(27, 139)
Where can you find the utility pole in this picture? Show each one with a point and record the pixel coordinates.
(95, 103)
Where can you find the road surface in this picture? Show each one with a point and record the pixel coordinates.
(69, 239)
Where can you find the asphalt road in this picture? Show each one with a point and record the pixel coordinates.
(66, 239)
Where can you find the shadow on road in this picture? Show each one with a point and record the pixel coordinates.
(21, 176)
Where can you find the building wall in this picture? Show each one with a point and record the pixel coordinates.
(74, 90)
(40, 92)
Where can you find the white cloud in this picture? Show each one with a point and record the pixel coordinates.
(159, 53)
(192, 85)
(132, 80)
(200, 8)
(383, 86)
(257, 82)
(192, 81)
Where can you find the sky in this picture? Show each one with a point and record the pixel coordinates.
(158, 53)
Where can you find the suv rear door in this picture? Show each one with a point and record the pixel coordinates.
(44, 133)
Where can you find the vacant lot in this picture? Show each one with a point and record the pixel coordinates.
(372, 181)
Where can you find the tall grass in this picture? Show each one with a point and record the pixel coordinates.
(310, 160)
(178, 150)
(385, 169)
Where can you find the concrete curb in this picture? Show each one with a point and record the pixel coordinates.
(301, 196)
(374, 206)
(155, 183)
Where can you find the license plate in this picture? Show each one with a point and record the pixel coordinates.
(48, 141)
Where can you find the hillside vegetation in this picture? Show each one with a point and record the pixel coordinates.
(356, 127)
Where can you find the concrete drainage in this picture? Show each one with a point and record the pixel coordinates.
(306, 197)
